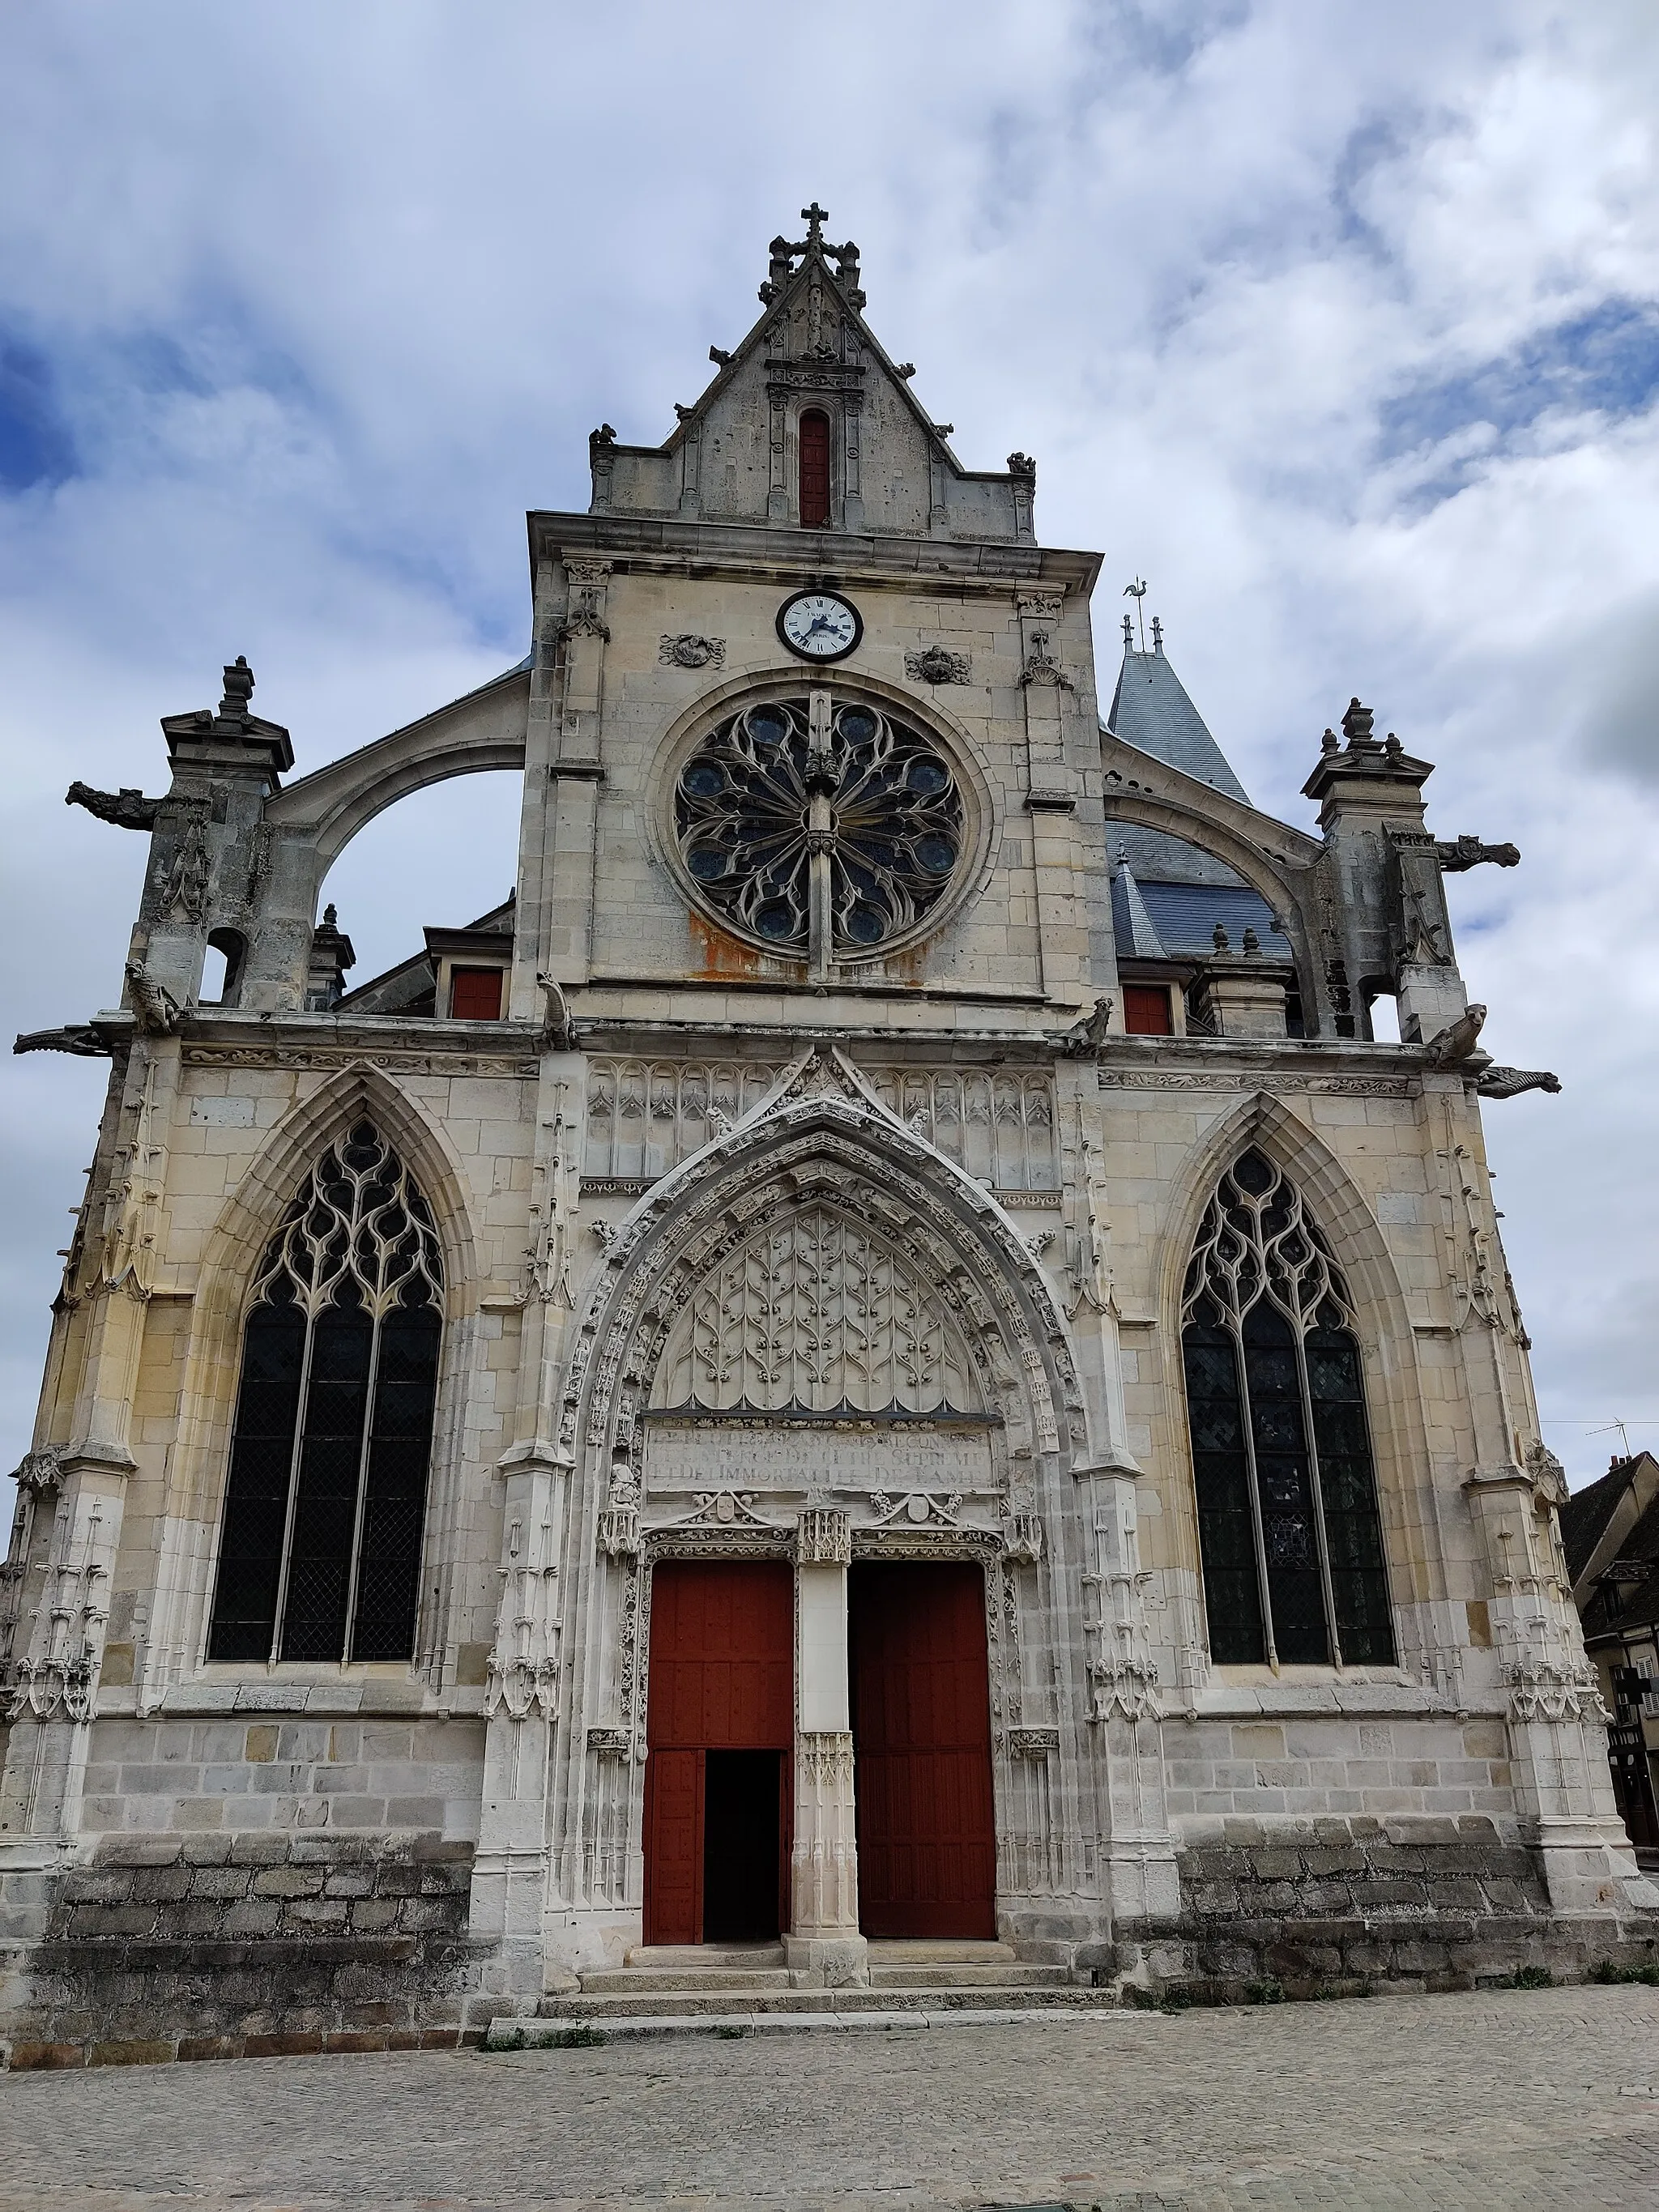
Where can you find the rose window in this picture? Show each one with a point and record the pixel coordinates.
(817, 824)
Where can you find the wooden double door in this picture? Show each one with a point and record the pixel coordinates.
(720, 1731)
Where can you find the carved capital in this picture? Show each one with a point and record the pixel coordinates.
(823, 1538)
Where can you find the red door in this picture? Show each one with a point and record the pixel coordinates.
(921, 1741)
(722, 1680)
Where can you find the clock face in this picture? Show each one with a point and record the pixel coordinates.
(820, 625)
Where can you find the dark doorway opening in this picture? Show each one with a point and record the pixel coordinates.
(921, 1746)
(742, 1833)
(720, 1718)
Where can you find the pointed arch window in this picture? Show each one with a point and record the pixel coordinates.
(320, 1553)
(814, 470)
(1288, 1515)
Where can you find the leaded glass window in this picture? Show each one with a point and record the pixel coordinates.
(820, 824)
(320, 1555)
(1287, 1516)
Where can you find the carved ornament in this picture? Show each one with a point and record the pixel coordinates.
(936, 666)
(687, 650)
(128, 809)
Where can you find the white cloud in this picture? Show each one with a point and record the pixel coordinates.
(329, 296)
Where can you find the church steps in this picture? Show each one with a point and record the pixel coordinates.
(596, 2008)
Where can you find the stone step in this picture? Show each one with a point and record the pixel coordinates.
(623, 1981)
(597, 2007)
(1004, 1973)
(939, 1950)
(748, 1956)
(510, 2033)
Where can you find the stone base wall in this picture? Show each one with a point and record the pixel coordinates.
(1336, 1905)
(203, 1946)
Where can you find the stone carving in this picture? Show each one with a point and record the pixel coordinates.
(935, 665)
(158, 1012)
(1549, 1477)
(522, 1675)
(1022, 1538)
(558, 1033)
(1088, 1035)
(584, 618)
(644, 1117)
(823, 1538)
(1042, 667)
(1000, 1128)
(128, 808)
(619, 1531)
(1509, 1082)
(614, 1743)
(1127, 1686)
(1458, 1045)
(919, 1508)
(444, 1058)
(58, 1678)
(816, 1313)
(1342, 1086)
(78, 1037)
(687, 650)
(1546, 1690)
(1462, 852)
(187, 890)
(39, 1470)
(1041, 606)
(1033, 1743)
(1022, 465)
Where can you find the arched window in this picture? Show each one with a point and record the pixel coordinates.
(1288, 1528)
(814, 471)
(321, 1551)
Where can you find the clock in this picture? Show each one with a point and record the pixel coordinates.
(820, 625)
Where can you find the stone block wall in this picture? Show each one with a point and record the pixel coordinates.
(1333, 1903)
(203, 1945)
(241, 1772)
(1340, 1763)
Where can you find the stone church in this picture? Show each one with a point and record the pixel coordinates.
(878, 1383)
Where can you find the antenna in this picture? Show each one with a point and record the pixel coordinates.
(1137, 592)
(1607, 1429)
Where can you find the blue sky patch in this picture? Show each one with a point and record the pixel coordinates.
(35, 445)
(1605, 362)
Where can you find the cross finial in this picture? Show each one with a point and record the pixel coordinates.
(815, 217)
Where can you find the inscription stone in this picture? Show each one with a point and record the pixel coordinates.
(710, 1456)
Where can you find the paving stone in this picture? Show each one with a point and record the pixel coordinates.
(1500, 2102)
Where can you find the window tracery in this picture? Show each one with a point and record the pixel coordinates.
(1288, 1524)
(815, 1315)
(819, 823)
(320, 1552)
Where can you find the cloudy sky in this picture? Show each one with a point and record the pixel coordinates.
(1339, 323)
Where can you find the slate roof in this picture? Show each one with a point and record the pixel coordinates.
(1615, 1606)
(1185, 915)
(1151, 711)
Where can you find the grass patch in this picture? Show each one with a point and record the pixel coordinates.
(1267, 1992)
(1606, 1971)
(1533, 1978)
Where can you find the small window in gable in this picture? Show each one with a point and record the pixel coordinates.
(814, 471)
(475, 994)
(1146, 1010)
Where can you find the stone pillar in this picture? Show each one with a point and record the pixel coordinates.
(1241, 997)
(824, 1945)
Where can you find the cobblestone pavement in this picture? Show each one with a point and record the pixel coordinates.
(1512, 2100)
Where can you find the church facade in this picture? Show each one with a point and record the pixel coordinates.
(879, 1357)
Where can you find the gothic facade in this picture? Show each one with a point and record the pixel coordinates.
(880, 1356)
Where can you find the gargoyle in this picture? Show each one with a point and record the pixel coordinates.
(1462, 852)
(1510, 1082)
(1549, 1478)
(128, 809)
(157, 1009)
(1455, 1046)
(85, 1042)
(558, 1033)
(1089, 1034)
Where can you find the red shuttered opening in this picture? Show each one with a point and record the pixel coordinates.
(719, 1723)
(1147, 1009)
(814, 471)
(921, 1730)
